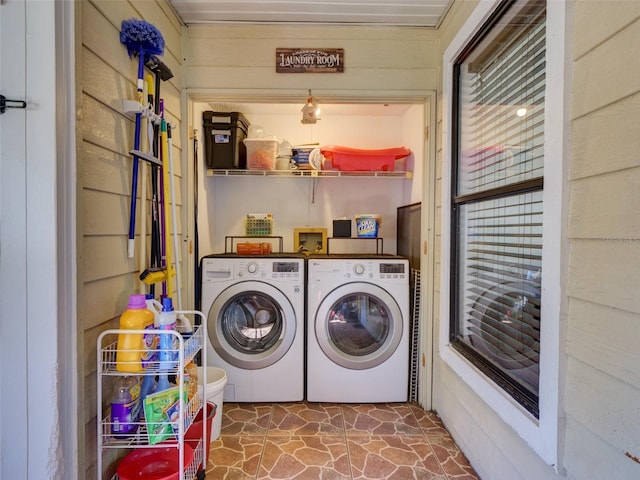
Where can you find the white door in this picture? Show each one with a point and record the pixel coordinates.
(35, 419)
(13, 246)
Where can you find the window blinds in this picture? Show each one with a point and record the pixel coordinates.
(497, 201)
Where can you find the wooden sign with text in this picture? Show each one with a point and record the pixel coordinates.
(309, 60)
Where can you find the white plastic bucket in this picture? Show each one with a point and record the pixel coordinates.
(216, 379)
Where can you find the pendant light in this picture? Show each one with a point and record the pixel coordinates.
(310, 111)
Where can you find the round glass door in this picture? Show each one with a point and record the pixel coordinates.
(251, 325)
(358, 325)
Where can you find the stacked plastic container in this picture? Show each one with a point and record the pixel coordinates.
(224, 133)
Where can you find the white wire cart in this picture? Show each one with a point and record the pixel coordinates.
(110, 446)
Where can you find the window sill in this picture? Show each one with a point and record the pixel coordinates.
(504, 406)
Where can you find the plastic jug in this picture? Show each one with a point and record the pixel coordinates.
(169, 343)
(135, 351)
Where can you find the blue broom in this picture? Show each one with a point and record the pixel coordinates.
(142, 39)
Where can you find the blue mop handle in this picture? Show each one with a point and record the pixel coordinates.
(136, 146)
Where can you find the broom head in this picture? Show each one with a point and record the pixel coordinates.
(141, 38)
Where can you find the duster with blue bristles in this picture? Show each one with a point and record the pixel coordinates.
(142, 39)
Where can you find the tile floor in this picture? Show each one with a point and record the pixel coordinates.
(317, 441)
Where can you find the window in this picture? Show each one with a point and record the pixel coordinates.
(497, 179)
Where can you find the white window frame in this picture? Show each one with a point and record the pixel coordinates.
(542, 434)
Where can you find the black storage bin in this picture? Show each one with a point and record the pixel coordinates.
(223, 136)
(342, 228)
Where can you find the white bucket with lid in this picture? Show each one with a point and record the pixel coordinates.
(215, 380)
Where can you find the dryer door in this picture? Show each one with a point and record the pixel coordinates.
(358, 325)
(251, 325)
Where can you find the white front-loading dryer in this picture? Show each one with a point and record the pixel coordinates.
(255, 320)
(358, 329)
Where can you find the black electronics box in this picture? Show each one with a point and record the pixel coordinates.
(224, 133)
(342, 228)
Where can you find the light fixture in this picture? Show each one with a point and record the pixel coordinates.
(310, 111)
(521, 112)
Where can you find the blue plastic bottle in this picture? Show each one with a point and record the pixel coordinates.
(168, 349)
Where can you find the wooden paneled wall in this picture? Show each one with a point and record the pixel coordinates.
(242, 58)
(603, 344)
(601, 387)
(106, 276)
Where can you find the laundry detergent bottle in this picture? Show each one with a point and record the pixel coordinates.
(135, 351)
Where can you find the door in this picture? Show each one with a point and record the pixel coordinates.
(251, 325)
(358, 325)
(38, 404)
(14, 437)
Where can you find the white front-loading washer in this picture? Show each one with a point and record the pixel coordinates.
(255, 320)
(357, 329)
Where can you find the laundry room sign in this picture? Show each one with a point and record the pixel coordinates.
(309, 60)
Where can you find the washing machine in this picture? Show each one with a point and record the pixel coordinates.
(255, 319)
(357, 329)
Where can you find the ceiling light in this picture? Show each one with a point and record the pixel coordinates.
(310, 111)
(521, 112)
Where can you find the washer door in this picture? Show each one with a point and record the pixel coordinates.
(251, 325)
(358, 325)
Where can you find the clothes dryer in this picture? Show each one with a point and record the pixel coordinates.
(358, 329)
(255, 314)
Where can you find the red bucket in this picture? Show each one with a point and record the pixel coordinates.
(194, 433)
(160, 463)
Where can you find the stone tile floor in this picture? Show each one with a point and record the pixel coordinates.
(317, 441)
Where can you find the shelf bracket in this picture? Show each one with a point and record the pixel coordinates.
(314, 186)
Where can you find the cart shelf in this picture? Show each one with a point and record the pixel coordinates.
(189, 344)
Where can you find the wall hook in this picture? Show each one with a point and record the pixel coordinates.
(6, 103)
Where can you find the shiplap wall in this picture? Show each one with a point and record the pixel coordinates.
(602, 385)
(377, 59)
(106, 276)
(603, 344)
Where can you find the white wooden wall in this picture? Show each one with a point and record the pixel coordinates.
(106, 275)
(601, 388)
(377, 59)
(603, 344)
(601, 437)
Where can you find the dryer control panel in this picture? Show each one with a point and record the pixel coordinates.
(360, 269)
(377, 270)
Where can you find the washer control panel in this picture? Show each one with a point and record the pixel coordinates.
(284, 270)
(224, 270)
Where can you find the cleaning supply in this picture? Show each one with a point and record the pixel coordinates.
(168, 348)
(125, 407)
(143, 39)
(167, 287)
(191, 379)
(153, 306)
(135, 351)
(158, 415)
(182, 320)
